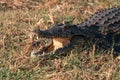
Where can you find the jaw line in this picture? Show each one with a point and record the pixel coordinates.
(57, 43)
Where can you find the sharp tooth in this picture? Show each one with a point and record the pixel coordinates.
(33, 54)
(43, 53)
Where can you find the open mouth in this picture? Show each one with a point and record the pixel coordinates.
(60, 36)
(45, 46)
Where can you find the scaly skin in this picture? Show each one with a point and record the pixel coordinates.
(101, 29)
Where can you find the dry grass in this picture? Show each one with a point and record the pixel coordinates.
(18, 16)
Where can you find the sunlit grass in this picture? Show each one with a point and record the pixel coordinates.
(15, 61)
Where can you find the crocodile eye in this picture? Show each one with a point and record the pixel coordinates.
(66, 27)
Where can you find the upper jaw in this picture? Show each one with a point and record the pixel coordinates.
(56, 31)
(50, 34)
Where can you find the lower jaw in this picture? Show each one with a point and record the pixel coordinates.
(36, 54)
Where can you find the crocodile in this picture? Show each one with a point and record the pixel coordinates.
(101, 29)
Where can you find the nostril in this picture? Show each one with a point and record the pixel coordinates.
(36, 43)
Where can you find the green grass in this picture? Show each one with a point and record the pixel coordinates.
(15, 61)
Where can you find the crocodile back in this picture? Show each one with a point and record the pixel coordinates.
(104, 21)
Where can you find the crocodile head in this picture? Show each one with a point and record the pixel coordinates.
(60, 31)
(61, 35)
